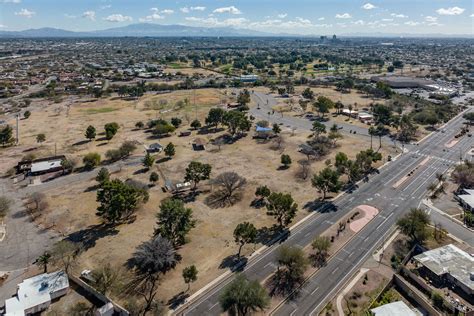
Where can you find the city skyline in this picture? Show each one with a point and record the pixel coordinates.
(300, 17)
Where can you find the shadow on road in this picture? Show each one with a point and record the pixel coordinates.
(320, 206)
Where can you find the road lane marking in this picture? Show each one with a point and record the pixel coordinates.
(334, 271)
(314, 291)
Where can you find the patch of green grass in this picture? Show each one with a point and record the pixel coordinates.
(99, 110)
(176, 66)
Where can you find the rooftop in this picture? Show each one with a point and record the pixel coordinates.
(449, 259)
(398, 308)
(36, 291)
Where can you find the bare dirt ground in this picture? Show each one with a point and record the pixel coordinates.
(72, 208)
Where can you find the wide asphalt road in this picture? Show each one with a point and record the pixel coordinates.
(378, 192)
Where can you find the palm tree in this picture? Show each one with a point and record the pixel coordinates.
(43, 261)
(372, 133)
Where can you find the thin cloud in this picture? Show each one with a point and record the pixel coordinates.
(231, 10)
(450, 11)
(25, 13)
(89, 15)
(368, 6)
(10, 1)
(117, 18)
(282, 15)
(343, 16)
(399, 16)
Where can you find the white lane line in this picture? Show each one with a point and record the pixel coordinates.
(334, 271)
(384, 221)
(314, 291)
(213, 306)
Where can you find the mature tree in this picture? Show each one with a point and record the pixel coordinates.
(106, 279)
(91, 160)
(382, 113)
(170, 150)
(366, 158)
(242, 297)
(148, 161)
(285, 161)
(414, 225)
(118, 200)
(381, 131)
(339, 107)
(5, 204)
(276, 129)
(327, 180)
(341, 161)
(126, 148)
(282, 207)
(110, 130)
(150, 260)
(244, 233)
(65, 254)
(236, 121)
(174, 221)
(262, 192)
(196, 124)
(103, 175)
(40, 138)
(321, 245)
(154, 177)
(163, 128)
(243, 97)
(176, 122)
(6, 135)
(463, 175)
(139, 125)
(469, 117)
(43, 261)
(324, 104)
(318, 128)
(308, 94)
(215, 117)
(229, 183)
(372, 133)
(190, 275)
(197, 171)
(292, 264)
(90, 132)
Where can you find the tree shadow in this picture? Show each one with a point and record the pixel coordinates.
(178, 300)
(270, 235)
(141, 171)
(92, 188)
(258, 203)
(220, 198)
(234, 263)
(82, 142)
(320, 206)
(88, 237)
(318, 260)
(187, 197)
(209, 130)
(281, 284)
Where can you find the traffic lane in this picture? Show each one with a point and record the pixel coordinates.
(452, 227)
(339, 267)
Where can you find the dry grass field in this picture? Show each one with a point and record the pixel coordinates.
(72, 208)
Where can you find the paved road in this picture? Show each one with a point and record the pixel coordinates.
(266, 102)
(378, 192)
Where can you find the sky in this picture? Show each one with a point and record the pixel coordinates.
(306, 17)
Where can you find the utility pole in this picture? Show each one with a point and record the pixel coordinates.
(17, 129)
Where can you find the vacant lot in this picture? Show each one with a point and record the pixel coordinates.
(72, 209)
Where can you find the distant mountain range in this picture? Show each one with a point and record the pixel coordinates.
(159, 30)
(139, 30)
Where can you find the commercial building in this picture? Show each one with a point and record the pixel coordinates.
(448, 266)
(35, 294)
(466, 198)
(398, 308)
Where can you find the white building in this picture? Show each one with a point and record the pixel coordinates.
(398, 308)
(35, 294)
